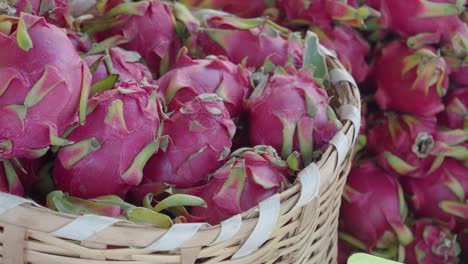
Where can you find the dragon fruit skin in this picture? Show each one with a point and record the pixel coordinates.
(190, 78)
(40, 98)
(373, 210)
(442, 194)
(224, 36)
(432, 244)
(459, 75)
(325, 12)
(151, 33)
(200, 137)
(395, 136)
(9, 179)
(350, 47)
(250, 176)
(80, 41)
(410, 81)
(245, 9)
(123, 64)
(56, 12)
(114, 144)
(413, 17)
(291, 114)
(455, 115)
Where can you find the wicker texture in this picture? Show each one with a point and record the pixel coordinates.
(304, 235)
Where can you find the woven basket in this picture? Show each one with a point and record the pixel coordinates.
(298, 225)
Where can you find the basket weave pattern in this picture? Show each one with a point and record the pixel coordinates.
(304, 235)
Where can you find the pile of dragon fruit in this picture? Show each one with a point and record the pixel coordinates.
(171, 112)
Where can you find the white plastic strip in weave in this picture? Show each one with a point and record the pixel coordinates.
(310, 185)
(269, 214)
(85, 227)
(340, 141)
(338, 75)
(351, 113)
(175, 237)
(9, 201)
(229, 228)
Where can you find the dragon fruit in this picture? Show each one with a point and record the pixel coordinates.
(459, 75)
(114, 144)
(350, 47)
(9, 179)
(250, 176)
(247, 9)
(325, 12)
(200, 135)
(217, 75)
(147, 26)
(456, 110)
(224, 35)
(442, 195)
(373, 211)
(121, 62)
(344, 251)
(432, 244)
(55, 11)
(412, 146)
(415, 17)
(410, 81)
(291, 113)
(80, 41)
(40, 98)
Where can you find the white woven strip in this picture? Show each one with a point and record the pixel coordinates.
(174, 237)
(351, 113)
(85, 227)
(269, 214)
(325, 51)
(338, 75)
(340, 141)
(9, 201)
(310, 185)
(229, 228)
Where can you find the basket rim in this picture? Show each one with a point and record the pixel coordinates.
(290, 195)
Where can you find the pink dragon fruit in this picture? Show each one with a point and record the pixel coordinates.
(325, 12)
(250, 176)
(373, 211)
(80, 41)
(200, 135)
(421, 16)
(441, 195)
(113, 146)
(224, 35)
(217, 75)
(456, 109)
(122, 63)
(291, 113)
(40, 98)
(246, 9)
(344, 251)
(432, 244)
(55, 11)
(149, 28)
(459, 75)
(350, 47)
(9, 179)
(412, 146)
(410, 81)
